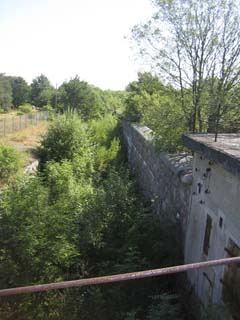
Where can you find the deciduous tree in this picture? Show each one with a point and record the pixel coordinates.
(20, 91)
(5, 93)
(187, 42)
(80, 96)
(41, 91)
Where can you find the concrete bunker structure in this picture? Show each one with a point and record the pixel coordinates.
(213, 223)
(203, 195)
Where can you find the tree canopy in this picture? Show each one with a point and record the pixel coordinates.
(20, 91)
(5, 93)
(79, 96)
(195, 46)
(42, 91)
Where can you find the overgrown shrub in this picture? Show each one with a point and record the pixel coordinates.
(10, 162)
(48, 107)
(25, 108)
(65, 138)
(82, 217)
(104, 130)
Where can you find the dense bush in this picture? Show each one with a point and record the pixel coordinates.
(26, 108)
(65, 138)
(10, 162)
(48, 107)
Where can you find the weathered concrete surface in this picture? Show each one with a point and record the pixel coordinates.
(211, 193)
(164, 178)
(215, 194)
(226, 151)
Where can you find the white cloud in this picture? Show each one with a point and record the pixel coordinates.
(62, 38)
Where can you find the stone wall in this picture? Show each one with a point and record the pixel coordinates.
(164, 178)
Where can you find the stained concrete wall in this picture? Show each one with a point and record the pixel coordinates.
(164, 178)
(213, 190)
(216, 194)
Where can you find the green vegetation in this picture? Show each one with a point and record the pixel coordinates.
(88, 101)
(20, 91)
(5, 93)
(194, 46)
(41, 91)
(48, 107)
(10, 163)
(66, 138)
(80, 96)
(81, 216)
(25, 108)
(151, 103)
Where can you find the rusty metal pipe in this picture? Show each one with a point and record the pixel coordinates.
(117, 277)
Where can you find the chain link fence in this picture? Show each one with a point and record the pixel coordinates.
(13, 124)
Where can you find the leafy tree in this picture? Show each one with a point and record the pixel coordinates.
(41, 91)
(113, 101)
(159, 107)
(165, 117)
(5, 93)
(188, 42)
(147, 85)
(81, 97)
(20, 91)
(226, 68)
(146, 82)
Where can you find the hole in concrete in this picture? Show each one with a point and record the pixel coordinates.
(221, 222)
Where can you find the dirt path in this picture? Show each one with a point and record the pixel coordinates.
(26, 140)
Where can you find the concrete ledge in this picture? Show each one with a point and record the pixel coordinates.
(144, 131)
(180, 164)
(226, 151)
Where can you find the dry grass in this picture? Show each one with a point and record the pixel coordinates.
(8, 115)
(29, 136)
(13, 113)
(26, 140)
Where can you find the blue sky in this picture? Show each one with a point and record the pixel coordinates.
(62, 38)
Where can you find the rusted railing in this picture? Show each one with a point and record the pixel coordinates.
(117, 277)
